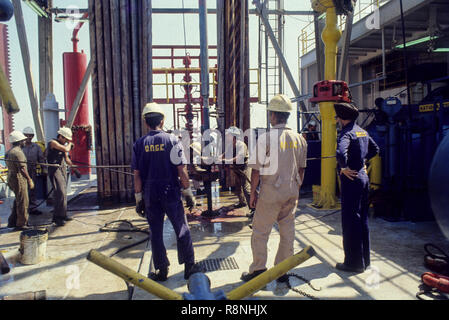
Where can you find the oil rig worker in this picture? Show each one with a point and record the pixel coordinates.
(58, 154)
(158, 180)
(236, 156)
(18, 181)
(34, 155)
(354, 147)
(279, 187)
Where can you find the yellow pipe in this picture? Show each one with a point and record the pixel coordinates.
(375, 172)
(133, 277)
(277, 271)
(9, 101)
(331, 35)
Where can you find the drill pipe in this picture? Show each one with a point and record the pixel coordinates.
(131, 276)
(277, 271)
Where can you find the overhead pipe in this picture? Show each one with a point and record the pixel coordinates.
(75, 38)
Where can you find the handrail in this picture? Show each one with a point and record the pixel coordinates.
(213, 71)
(363, 9)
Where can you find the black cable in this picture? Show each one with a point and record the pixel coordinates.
(107, 228)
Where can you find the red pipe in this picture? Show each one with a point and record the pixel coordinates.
(75, 39)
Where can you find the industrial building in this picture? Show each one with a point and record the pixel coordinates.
(388, 57)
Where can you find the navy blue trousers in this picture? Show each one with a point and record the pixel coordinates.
(168, 202)
(354, 208)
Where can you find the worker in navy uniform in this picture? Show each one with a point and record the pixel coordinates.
(160, 171)
(354, 147)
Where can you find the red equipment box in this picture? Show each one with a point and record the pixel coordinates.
(331, 91)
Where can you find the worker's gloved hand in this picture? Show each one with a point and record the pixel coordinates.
(140, 205)
(190, 198)
(31, 184)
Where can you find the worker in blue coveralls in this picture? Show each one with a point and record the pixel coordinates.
(354, 147)
(160, 177)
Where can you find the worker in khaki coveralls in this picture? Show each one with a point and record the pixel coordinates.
(18, 181)
(236, 156)
(280, 171)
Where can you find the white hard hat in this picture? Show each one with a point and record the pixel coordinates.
(280, 103)
(16, 136)
(312, 123)
(66, 133)
(152, 108)
(28, 130)
(234, 131)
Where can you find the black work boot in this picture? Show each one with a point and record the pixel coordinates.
(282, 279)
(59, 222)
(344, 267)
(191, 268)
(249, 276)
(160, 275)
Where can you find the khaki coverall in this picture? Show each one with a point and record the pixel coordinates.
(279, 193)
(34, 155)
(241, 171)
(19, 185)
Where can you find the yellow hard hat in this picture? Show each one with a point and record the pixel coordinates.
(66, 133)
(152, 108)
(280, 103)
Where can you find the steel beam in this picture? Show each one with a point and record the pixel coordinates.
(341, 75)
(263, 15)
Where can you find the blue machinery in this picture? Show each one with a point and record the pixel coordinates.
(408, 137)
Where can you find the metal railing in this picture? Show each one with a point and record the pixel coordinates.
(306, 40)
(168, 84)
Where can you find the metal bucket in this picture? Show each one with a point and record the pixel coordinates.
(33, 246)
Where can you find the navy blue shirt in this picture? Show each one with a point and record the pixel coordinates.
(354, 147)
(156, 156)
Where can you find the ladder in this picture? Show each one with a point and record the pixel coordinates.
(269, 64)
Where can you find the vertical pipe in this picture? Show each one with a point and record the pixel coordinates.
(128, 127)
(331, 36)
(204, 64)
(135, 69)
(221, 66)
(102, 105)
(405, 58)
(109, 72)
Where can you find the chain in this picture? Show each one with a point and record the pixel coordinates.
(303, 293)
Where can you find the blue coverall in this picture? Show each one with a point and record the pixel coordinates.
(354, 147)
(162, 193)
